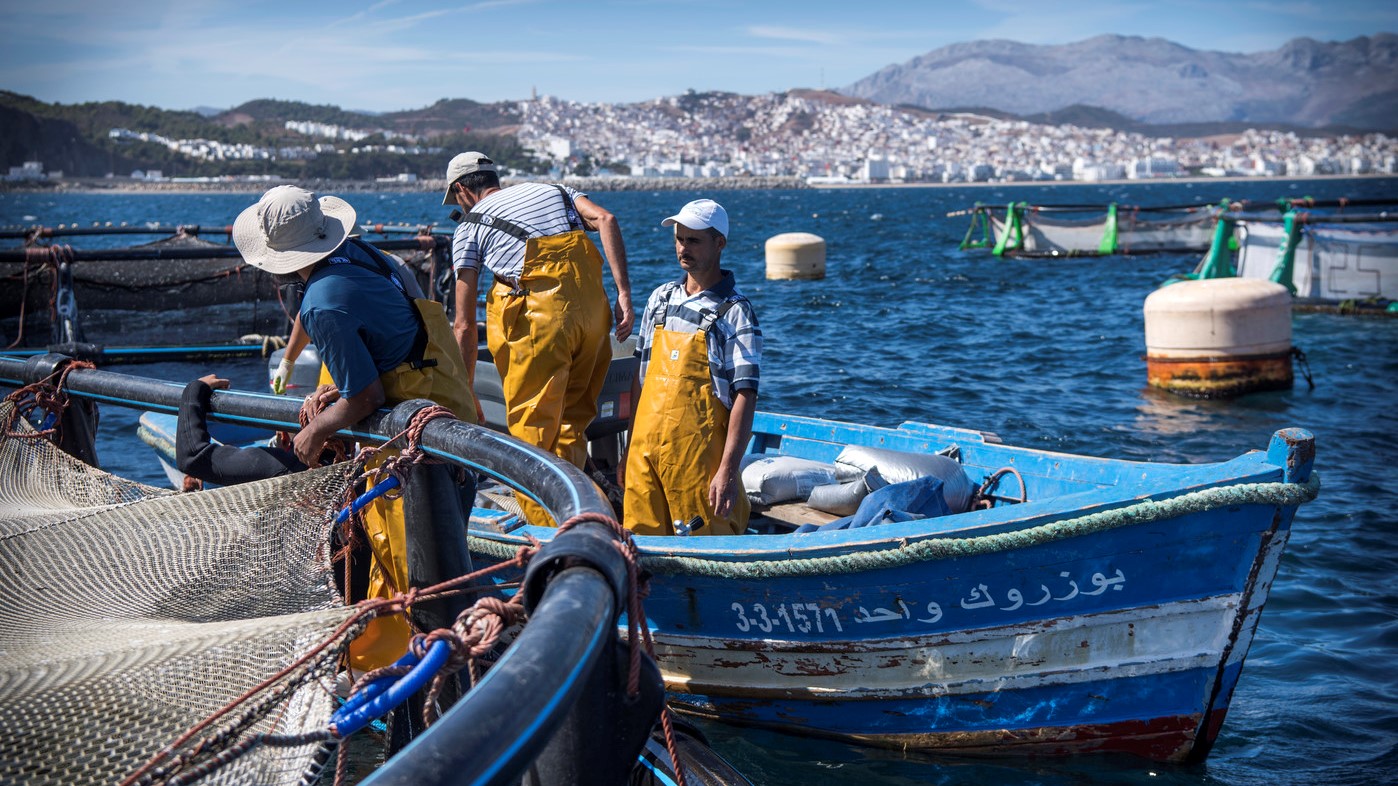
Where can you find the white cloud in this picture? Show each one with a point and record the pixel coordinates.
(794, 34)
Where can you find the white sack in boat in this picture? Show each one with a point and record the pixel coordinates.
(769, 480)
(896, 466)
(842, 499)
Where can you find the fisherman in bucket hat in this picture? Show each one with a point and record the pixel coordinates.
(380, 347)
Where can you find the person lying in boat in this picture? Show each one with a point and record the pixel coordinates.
(379, 347)
(700, 349)
(198, 456)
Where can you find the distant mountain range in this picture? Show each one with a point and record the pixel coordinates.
(1304, 83)
(1148, 86)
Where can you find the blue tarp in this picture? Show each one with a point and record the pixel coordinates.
(921, 498)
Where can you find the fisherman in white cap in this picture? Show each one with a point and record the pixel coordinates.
(379, 346)
(700, 349)
(547, 314)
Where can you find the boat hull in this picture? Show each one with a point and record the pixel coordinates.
(1114, 618)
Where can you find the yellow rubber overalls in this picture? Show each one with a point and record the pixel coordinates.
(677, 442)
(445, 383)
(548, 335)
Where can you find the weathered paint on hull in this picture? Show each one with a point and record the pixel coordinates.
(1219, 377)
(1125, 673)
(1173, 739)
(1133, 681)
(1129, 638)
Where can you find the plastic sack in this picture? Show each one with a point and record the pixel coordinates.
(769, 480)
(842, 499)
(896, 466)
(920, 498)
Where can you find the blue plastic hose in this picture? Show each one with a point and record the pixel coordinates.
(385, 693)
(367, 497)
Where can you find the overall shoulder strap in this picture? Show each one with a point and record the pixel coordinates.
(574, 220)
(381, 266)
(505, 225)
(710, 317)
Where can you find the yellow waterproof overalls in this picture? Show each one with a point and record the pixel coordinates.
(548, 335)
(677, 441)
(443, 382)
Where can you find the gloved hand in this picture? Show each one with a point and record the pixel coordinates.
(283, 375)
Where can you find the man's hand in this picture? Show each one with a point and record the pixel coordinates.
(723, 491)
(214, 381)
(308, 444)
(623, 315)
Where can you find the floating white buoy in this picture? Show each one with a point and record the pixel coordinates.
(1219, 337)
(796, 255)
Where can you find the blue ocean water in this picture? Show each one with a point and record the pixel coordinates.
(1047, 353)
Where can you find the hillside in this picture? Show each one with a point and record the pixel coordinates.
(1305, 83)
(77, 138)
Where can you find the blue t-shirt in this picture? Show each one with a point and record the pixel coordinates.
(360, 322)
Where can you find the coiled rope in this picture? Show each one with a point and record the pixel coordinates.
(47, 394)
(926, 550)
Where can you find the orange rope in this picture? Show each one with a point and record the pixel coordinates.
(351, 627)
(47, 394)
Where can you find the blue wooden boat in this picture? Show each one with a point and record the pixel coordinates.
(1089, 604)
(1111, 611)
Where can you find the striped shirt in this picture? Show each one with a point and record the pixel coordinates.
(734, 342)
(538, 207)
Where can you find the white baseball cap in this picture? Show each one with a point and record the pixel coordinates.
(463, 165)
(290, 228)
(701, 214)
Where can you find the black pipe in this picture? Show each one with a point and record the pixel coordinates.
(188, 229)
(371, 228)
(505, 722)
(111, 356)
(557, 485)
(186, 252)
(1317, 218)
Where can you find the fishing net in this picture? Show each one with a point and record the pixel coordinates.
(151, 301)
(129, 614)
(1333, 262)
(1138, 232)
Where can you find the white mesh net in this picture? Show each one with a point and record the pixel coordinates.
(129, 614)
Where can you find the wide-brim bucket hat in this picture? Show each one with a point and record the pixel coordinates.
(291, 228)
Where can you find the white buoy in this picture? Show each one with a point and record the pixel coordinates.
(795, 255)
(1219, 337)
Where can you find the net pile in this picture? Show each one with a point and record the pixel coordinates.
(129, 614)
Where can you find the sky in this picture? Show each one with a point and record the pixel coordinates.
(406, 54)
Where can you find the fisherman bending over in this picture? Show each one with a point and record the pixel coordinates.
(546, 314)
(379, 347)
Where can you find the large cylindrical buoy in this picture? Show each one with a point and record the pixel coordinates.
(796, 255)
(1219, 337)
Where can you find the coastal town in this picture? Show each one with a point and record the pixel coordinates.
(803, 137)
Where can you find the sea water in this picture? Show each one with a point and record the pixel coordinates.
(1047, 353)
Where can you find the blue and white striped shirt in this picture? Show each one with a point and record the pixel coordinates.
(537, 207)
(734, 342)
